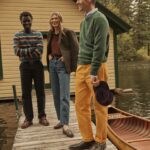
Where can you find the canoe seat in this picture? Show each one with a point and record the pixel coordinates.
(117, 116)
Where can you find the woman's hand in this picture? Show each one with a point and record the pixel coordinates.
(50, 57)
(61, 59)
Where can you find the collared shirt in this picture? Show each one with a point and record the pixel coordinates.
(91, 12)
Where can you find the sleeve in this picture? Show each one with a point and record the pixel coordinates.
(21, 52)
(37, 49)
(74, 49)
(39, 45)
(101, 30)
(18, 50)
(48, 48)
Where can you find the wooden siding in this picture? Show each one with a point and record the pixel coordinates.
(110, 62)
(41, 10)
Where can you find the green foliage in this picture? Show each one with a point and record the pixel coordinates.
(126, 51)
(142, 54)
(141, 23)
(137, 14)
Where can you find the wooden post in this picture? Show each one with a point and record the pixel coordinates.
(16, 102)
(148, 48)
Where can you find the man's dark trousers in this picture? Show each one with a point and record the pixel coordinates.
(32, 70)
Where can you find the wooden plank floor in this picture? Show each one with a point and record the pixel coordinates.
(38, 137)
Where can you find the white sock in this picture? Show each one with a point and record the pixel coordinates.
(65, 127)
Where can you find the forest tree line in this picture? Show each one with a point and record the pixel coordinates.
(134, 45)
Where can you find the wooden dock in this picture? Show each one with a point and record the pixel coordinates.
(38, 137)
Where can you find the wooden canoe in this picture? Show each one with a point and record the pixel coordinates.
(127, 131)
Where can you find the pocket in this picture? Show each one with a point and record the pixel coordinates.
(50, 61)
(23, 65)
(61, 67)
(61, 63)
(39, 64)
(51, 64)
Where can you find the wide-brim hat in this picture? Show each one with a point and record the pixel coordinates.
(103, 94)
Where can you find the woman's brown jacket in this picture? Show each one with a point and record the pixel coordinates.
(68, 46)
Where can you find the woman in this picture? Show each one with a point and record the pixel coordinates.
(62, 51)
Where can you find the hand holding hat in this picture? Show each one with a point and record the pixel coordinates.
(94, 80)
(102, 93)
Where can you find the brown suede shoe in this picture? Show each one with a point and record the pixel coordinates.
(68, 133)
(58, 126)
(26, 124)
(43, 121)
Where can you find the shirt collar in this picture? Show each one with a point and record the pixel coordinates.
(91, 12)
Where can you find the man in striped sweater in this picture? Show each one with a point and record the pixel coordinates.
(28, 46)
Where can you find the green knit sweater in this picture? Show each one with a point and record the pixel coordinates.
(94, 31)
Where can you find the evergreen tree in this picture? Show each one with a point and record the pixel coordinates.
(137, 14)
(141, 25)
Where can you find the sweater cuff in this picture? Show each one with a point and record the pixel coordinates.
(94, 71)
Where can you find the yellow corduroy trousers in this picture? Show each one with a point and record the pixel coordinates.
(84, 95)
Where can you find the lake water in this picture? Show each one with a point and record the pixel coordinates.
(135, 75)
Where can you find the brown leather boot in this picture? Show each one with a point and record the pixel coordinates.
(82, 145)
(98, 146)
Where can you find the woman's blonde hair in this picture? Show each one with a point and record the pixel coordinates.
(60, 18)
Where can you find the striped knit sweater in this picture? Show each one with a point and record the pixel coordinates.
(28, 46)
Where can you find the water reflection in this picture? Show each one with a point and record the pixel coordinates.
(2, 133)
(8, 125)
(135, 75)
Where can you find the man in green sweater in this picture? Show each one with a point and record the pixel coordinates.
(94, 33)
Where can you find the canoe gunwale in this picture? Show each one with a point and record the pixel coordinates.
(114, 137)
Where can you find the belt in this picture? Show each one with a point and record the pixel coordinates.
(56, 57)
(31, 61)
